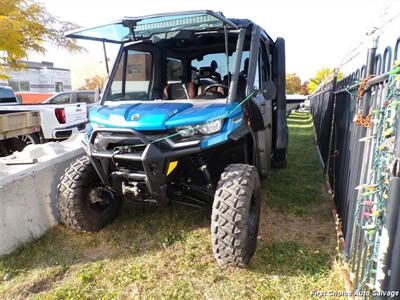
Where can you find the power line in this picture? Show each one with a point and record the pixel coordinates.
(373, 29)
(356, 51)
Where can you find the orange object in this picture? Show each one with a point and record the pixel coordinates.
(364, 121)
(33, 98)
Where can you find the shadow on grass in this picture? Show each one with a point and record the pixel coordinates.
(299, 115)
(300, 121)
(143, 229)
(140, 228)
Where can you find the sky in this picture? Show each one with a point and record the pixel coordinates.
(317, 32)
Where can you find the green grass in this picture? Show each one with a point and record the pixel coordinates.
(153, 253)
(294, 188)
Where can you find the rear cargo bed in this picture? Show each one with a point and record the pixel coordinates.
(13, 124)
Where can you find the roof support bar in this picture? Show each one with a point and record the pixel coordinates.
(106, 59)
(236, 66)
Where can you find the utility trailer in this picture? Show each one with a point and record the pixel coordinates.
(17, 128)
(14, 126)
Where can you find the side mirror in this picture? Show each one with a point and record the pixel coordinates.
(269, 90)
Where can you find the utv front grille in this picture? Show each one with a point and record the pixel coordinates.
(112, 140)
(131, 166)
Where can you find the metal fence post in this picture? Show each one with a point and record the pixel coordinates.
(332, 104)
(359, 171)
(391, 262)
(371, 59)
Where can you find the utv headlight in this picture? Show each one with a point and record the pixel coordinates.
(206, 129)
(186, 131)
(211, 127)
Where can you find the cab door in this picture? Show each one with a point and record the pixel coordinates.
(260, 106)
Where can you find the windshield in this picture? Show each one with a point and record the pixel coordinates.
(133, 76)
(195, 67)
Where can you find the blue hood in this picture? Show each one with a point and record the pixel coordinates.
(157, 115)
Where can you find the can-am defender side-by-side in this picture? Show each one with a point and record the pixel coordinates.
(194, 112)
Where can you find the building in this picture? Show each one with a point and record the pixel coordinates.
(39, 77)
(137, 69)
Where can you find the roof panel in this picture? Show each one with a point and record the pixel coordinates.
(131, 28)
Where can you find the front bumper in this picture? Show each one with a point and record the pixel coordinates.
(153, 159)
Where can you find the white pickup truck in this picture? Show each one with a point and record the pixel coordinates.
(58, 121)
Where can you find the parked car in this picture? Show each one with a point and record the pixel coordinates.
(294, 102)
(58, 121)
(194, 112)
(7, 96)
(80, 96)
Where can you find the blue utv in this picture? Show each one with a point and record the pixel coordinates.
(194, 112)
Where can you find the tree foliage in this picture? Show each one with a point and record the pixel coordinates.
(320, 76)
(25, 27)
(304, 88)
(94, 83)
(293, 83)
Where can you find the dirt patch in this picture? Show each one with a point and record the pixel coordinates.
(101, 251)
(308, 230)
(40, 286)
(30, 289)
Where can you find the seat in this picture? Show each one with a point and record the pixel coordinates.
(208, 72)
(177, 91)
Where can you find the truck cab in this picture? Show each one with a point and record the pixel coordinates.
(59, 121)
(7, 96)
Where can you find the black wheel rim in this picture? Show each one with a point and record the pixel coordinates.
(27, 140)
(99, 198)
(252, 219)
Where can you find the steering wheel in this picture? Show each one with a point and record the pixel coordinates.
(214, 85)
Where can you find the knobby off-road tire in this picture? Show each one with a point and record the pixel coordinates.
(83, 202)
(235, 215)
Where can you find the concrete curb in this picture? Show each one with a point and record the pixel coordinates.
(28, 199)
